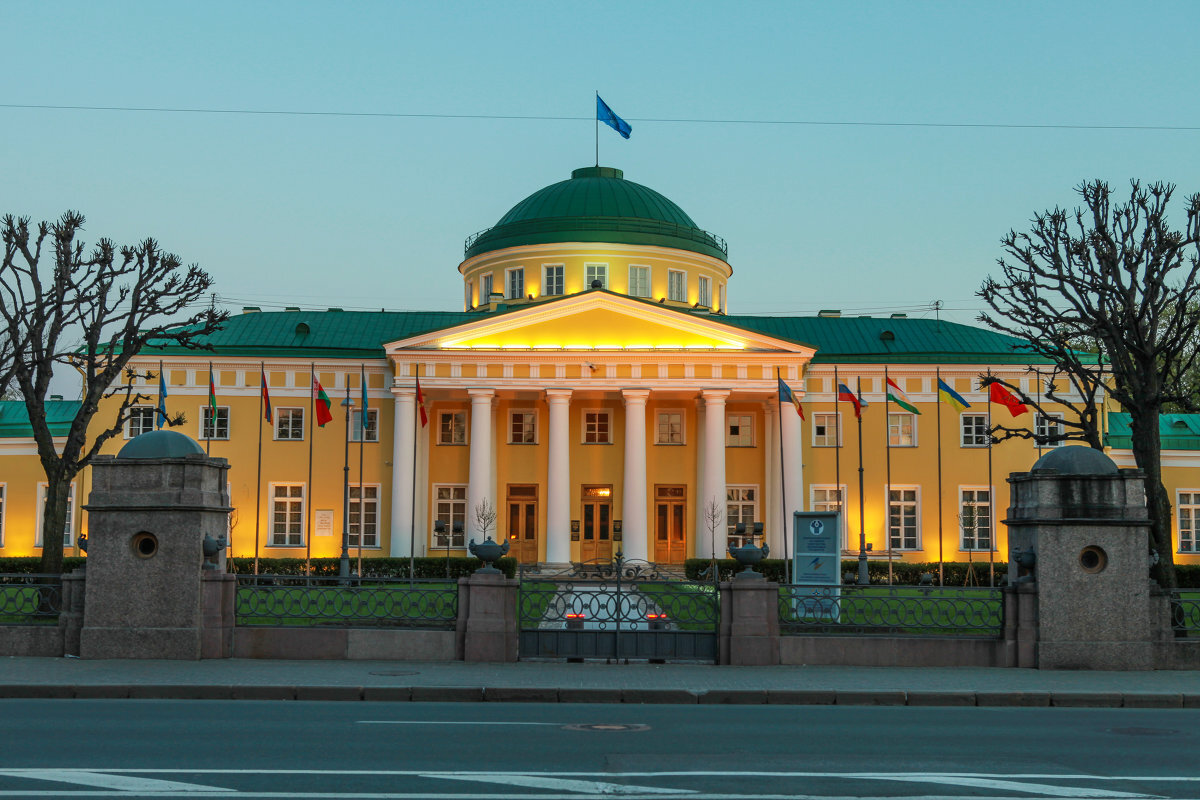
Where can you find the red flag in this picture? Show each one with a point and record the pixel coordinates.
(266, 398)
(845, 395)
(321, 403)
(1001, 395)
(421, 402)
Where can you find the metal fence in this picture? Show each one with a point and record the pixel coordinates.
(346, 602)
(894, 610)
(29, 598)
(1185, 611)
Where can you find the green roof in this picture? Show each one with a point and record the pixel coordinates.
(597, 205)
(1175, 431)
(14, 420)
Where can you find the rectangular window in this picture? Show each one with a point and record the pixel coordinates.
(827, 430)
(515, 282)
(1187, 507)
(677, 285)
(975, 519)
(141, 420)
(904, 526)
(974, 430)
(739, 430)
(902, 430)
(470, 289)
(830, 498)
(1049, 425)
(450, 509)
(289, 424)
(669, 428)
(356, 428)
(522, 427)
(597, 427)
(639, 281)
(214, 426)
(452, 427)
(593, 273)
(741, 505)
(68, 523)
(485, 289)
(552, 279)
(287, 514)
(364, 515)
(721, 298)
(704, 289)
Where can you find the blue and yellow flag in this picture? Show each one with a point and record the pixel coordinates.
(605, 114)
(948, 395)
(161, 416)
(786, 395)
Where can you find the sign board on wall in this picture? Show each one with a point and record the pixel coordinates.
(323, 522)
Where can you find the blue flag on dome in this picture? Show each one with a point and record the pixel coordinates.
(605, 114)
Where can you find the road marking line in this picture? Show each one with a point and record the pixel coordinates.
(251, 795)
(1015, 786)
(104, 780)
(437, 722)
(542, 782)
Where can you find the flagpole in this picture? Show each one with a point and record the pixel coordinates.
(308, 514)
(597, 110)
(161, 416)
(412, 530)
(213, 418)
(362, 442)
(862, 519)
(991, 501)
(887, 437)
(262, 372)
(837, 455)
(344, 560)
(782, 486)
(941, 560)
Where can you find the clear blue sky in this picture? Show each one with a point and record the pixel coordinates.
(371, 212)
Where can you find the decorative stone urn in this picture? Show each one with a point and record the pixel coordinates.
(749, 556)
(488, 552)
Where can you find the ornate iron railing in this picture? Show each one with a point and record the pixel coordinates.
(1185, 611)
(363, 602)
(894, 610)
(30, 598)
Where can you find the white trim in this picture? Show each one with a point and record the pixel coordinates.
(991, 513)
(378, 500)
(276, 411)
(1195, 522)
(962, 430)
(271, 486)
(433, 546)
(488, 278)
(753, 428)
(683, 423)
(587, 282)
(583, 412)
(508, 271)
(72, 516)
(911, 416)
(837, 422)
(887, 517)
(356, 426)
(537, 428)
(228, 424)
(757, 503)
(1061, 428)
(649, 281)
(437, 437)
(701, 281)
(562, 288)
(140, 407)
(684, 283)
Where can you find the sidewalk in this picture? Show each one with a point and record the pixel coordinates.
(592, 683)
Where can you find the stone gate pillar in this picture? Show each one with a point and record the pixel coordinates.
(149, 586)
(1078, 535)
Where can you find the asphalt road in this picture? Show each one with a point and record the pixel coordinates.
(299, 750)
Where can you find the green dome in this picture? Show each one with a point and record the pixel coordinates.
(597, 205)
(160, 444)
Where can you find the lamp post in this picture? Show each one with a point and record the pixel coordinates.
(344, 563)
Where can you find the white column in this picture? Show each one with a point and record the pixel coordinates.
(558, 481)
(770, 511)
(714, 471)
(793, 471)
(479, 481)
(635, 538)
(403, 464)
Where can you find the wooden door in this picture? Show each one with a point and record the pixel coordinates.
(670, 524)
(595, 535)
(522, 523)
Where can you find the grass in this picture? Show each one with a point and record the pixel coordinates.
(20, 604)
(393, 604)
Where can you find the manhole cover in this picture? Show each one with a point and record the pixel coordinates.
(614, 727)
(396, 673)
(1144, 731)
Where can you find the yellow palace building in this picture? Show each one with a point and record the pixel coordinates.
(599, 393)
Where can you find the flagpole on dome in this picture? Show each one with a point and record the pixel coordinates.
(308, 506)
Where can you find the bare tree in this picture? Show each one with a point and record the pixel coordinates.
(485, 517)
(714, 517)
(1119, 276)
(91, 311)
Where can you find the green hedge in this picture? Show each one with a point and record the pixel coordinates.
(904, 573)
(26, 565)
(378, 567)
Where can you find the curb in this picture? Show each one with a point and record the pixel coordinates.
(525, 694)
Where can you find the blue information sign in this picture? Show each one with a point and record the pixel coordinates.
(817, 555)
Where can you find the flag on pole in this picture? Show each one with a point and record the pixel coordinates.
(212, 396)
(896, 395)
(362, 383)
(421, 401)
(948, 395)
(266, 397)
(844, 394)
(786, 395)
(1000, 394)
(322, 404)
(605, 114)
(161, 416)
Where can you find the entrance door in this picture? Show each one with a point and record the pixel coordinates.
(595, 540)
(670, 530)
(522, 523)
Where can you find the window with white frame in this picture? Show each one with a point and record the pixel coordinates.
(593, 273)
(522, 427)
(1187, 510)
(827, 430)
(214, 425)
(450, 509)
(830, 498)
(289, 424)
(639, 281)
(68, 522)
(975, 518)
(668, 428)
(741, 505)
(287, 514)
(552, 279)
(141, 420)
(902, 429)
(485, 289)
(468, 291)
(721, 298)
(364, 515)
(515, 281)
(704, 290)
(904, 520)
(597, 426)
(1048, 425)
(974, 430)
(677, 285)
(739, 430)
(356, 428)
(452, 427)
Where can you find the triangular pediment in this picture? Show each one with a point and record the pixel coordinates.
(597, 320)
